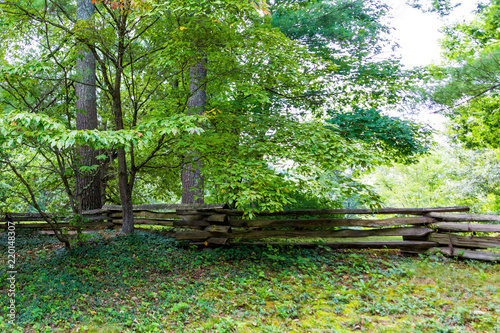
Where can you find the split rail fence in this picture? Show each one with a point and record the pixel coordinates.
(431, 230)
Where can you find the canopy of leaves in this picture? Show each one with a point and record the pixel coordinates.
(349, 36)
(254, 149)
(395, 139)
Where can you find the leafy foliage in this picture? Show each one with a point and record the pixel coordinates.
(446, 177)
(442, 7)
(348, 36)
(395, 139)
(467, 87)
(261, 141)
(254, 148)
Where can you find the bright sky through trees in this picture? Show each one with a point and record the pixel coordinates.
(418, 33)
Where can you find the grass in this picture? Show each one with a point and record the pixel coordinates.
(148, 283)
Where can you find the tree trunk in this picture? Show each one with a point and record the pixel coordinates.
(124, 184)
(88, 184)
(192, 179)
(125, 192)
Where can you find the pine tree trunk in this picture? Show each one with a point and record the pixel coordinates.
(88, 184)
(192, 179)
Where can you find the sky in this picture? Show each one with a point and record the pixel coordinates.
(418, 36)
(418, 33)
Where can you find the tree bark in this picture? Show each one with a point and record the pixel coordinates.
(125, 185)
(192, 179)
(125, 192)
(88, 184)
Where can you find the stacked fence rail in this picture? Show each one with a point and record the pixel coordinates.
(432, 230)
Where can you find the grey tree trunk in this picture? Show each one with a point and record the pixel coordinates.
(125, 184)
(192, 179)
(88, 184)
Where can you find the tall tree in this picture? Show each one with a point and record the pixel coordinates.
(191, 176)
(88, 182)
(110, 39)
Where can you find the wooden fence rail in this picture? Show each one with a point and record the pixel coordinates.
(435, 230)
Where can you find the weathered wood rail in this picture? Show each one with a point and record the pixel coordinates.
(432, 230)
